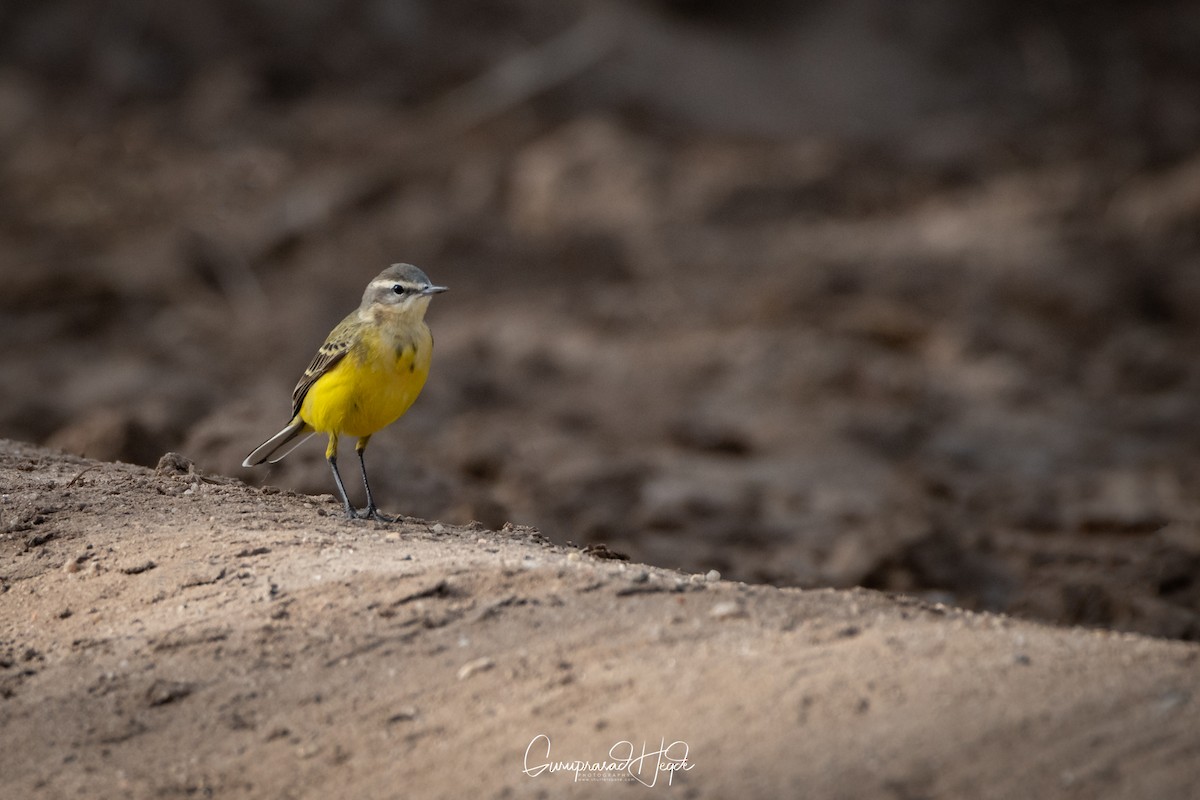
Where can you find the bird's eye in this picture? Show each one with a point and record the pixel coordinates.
(398, 289)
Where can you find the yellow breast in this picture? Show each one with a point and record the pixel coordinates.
(373, 385)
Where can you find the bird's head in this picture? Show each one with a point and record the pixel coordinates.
(401, 288)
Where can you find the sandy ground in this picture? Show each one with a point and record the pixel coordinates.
(173, 634)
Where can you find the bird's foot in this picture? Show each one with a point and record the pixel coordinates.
(371, 512)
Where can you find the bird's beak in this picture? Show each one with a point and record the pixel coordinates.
(433, 290)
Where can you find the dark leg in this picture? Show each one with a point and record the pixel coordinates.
(337, 478)
(372, 512)
(331, 457)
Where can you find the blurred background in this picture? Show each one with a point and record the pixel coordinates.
(899, 295)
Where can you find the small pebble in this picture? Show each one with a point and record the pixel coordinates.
(471, 667)
(712, 576)
(406, 714)
(726, 610)
(308, 751)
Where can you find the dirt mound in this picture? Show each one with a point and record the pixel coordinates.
(172, 633)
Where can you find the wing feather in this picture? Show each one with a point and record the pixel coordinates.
(339, 342)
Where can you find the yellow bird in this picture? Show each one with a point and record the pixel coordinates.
(365, 376)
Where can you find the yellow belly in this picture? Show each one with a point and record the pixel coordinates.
(370, 388)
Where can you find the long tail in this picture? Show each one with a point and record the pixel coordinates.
(267, 450)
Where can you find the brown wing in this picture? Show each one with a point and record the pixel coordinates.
(336, 346)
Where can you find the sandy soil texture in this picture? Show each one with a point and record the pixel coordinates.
(172, 634)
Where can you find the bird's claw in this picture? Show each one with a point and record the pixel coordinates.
(371, 512)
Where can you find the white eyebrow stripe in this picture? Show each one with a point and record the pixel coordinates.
(390, 284)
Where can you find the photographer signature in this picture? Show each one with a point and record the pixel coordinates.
(623, 763)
